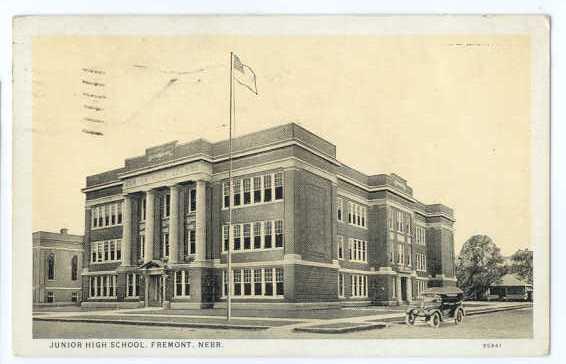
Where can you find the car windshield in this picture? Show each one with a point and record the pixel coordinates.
(430, 298)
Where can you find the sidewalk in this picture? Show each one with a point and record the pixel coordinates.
(321, 321)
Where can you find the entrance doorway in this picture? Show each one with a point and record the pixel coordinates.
(154, 290)
(404, 288)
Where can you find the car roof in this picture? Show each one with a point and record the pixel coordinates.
(443, 290)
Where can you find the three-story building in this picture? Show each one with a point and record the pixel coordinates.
(307, 231)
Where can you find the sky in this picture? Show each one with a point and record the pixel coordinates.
(451, 114)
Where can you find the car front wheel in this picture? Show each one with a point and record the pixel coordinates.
(410, 318)
(434, 320)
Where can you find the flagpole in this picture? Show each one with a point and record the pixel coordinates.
(230, 192)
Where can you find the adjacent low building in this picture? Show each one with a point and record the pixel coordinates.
(510, 287)
(307, 230)
(57, 265)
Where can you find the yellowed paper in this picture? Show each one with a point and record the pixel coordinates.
(375, 147)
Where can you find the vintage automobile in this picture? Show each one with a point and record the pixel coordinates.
(437, 304)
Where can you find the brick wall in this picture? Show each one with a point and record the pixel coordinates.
(314, 284)
(313, 217)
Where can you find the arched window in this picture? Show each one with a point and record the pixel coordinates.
(51, 266)
(74, 268)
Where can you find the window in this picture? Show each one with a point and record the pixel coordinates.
(112, 251)
(257, 189)
(357, 214)
(408, 223)
(390, 218)
(420, 233)
(237, 283)
(237, 192)
(226, 193)
(142, 211)
(258, 285)
(74, 268)
(94, 217)
(75, 297)
(268, 274)
(132, 284)
(400, 254)
(224, 283)
(100, 216)
(192, 242)
(50, 297)
(267, 239)
(278, 186)
(267, 188)
(106, 215)
(182, 283)
(420, 261)
(399, 221)
(247, 237)
(279, 281)
(165, 244)
(106, 251)
(112, 214)
(358, 250)
(359, 285)
(278, 233)
(237, 237)
(247, 282)
(340, 284)
(192, 200)
(141, 245)
(257, 235)
(166, 203)
(339, 208)
(103, 286)
(93, 253)
(247, 191)
(51, 267)
(340, 244)
(254, 190)
(119, 218)
(258, 282)
(118, 249)
(225, 237)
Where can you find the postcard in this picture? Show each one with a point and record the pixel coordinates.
(229, 186)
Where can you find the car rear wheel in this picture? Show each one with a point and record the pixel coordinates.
(459, 317)
(410, 318)
(434, 320)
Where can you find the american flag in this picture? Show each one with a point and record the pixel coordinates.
(244, 74)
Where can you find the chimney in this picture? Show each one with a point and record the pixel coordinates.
(64, 231)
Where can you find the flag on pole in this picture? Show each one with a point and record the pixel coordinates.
(244, 74)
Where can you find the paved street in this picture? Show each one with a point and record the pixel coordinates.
(506, 324)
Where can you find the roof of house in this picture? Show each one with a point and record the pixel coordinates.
(510, 280)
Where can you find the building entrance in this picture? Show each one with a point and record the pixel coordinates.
(154, 291)
(403, 288)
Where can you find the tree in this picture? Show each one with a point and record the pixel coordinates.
(479, 265)
(522, 265)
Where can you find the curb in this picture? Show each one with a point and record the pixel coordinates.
(401, 318)
(341, 330)
(496, 309)
(156, 323)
